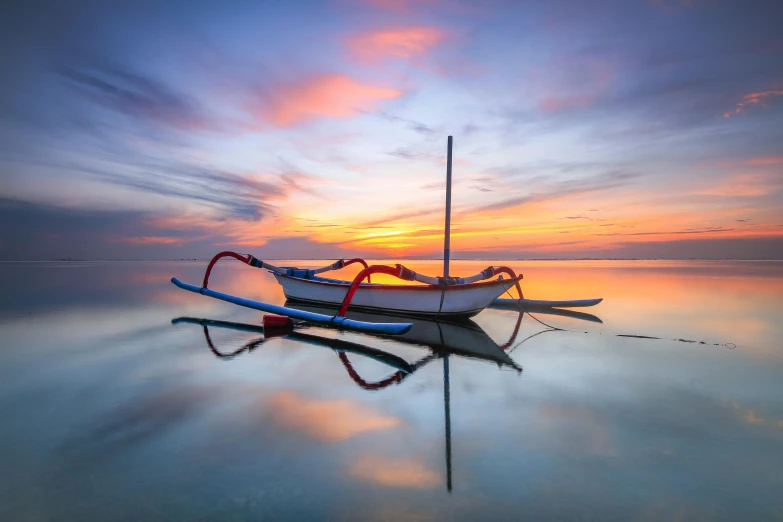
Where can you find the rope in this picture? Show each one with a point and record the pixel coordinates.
(442, 295)
(526, 338)
(524, 311)
(730, 346)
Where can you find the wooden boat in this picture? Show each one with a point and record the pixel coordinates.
(463, 300)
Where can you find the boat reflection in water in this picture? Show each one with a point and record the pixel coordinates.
(443, 338)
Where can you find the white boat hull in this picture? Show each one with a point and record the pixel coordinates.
(457, 300)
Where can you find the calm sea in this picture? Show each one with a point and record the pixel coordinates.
(125, 398)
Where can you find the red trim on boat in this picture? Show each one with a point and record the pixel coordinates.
(378, 286)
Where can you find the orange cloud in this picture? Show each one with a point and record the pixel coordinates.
(553, 103)
(761, 98)
(406, 42)
(157, 240)
(203, 226)
(396, 473)
(765, 161)
(325, 96)
(328, 421)
(743, 185)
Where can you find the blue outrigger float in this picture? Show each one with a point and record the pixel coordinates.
(319, 319)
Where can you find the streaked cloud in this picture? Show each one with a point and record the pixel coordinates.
(401, 42)
(754, 99)
(154, 240)
(763, 161)
(396, 6)
(243, 196)
(42, 231)
(571, 81)
(325, 96)
(743, 186)
(672, 232)
(399, 216)
(408, 154)
(137, 96)
(564, 189)
(301, 182)
(413, 125)
(554, 103)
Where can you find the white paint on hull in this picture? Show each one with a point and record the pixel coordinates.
(416, 299)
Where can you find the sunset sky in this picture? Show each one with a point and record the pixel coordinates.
(165, 130)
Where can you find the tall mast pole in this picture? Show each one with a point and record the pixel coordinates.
(447, 232)
(446, 255)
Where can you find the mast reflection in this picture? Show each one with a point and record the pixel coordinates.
(443, 339)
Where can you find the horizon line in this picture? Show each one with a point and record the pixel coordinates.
(70, 260)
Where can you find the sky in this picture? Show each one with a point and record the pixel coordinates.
(606, 129)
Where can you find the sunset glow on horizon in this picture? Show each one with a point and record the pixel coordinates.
(642, 129)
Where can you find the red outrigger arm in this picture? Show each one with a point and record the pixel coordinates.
(375, 269)
(252, 261)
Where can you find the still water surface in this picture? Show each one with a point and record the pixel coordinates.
(111, 410)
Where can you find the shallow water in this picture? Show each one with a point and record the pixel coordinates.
(111, 412)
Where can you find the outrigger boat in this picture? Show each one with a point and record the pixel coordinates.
(438, 296)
